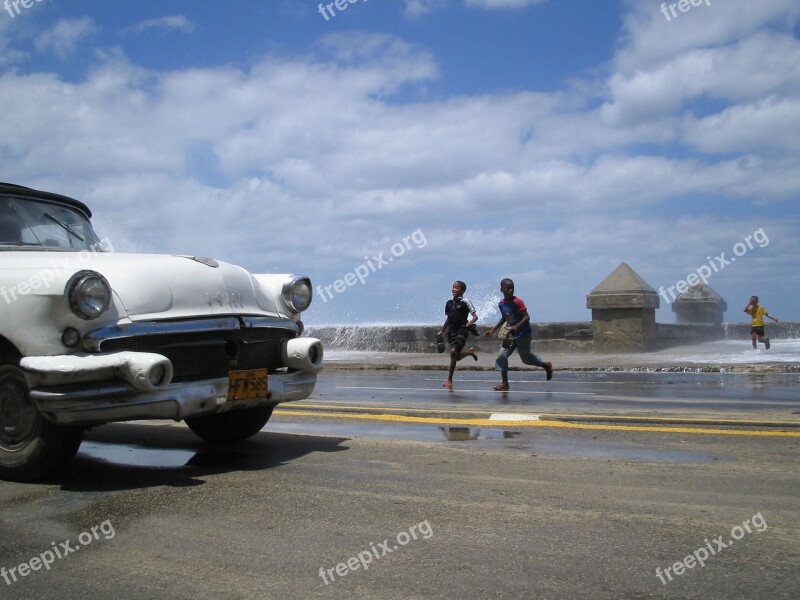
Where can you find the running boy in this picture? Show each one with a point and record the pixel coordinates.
(461, 316)
(757, 327)
(514, 313)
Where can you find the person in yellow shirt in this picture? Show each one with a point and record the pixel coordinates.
(757, 327)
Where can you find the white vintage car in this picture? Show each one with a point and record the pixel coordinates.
(91, 336)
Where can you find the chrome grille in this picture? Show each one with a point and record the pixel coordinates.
(201, 355)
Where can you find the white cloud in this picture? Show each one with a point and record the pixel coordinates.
(769, 125)
(63, 38)
(169, 23)
(315, 160)
(650, 39)
(765, 60)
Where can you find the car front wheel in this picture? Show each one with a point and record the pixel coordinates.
(31, 448)
(232, 426)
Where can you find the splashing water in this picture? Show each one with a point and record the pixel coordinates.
(739, 352)
(485, 298)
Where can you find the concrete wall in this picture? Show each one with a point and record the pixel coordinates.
(548, 338)
(394, 338)
(669, 335)
(784, 330)
(563, 337)
(624, 330)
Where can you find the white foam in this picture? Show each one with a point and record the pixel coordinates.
(353, 355)
(735, 352)
(730, 352)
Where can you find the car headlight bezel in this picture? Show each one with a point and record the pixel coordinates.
(88, 294)
(297, 293)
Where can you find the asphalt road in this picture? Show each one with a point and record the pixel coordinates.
(434, 498)
(712, 395)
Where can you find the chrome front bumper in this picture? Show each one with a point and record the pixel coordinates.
(110, 401)
(90, 389)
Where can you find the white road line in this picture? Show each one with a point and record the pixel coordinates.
(409, 389)
(513, 417)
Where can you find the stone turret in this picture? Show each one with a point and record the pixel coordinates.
(623, 309)
(699, 304)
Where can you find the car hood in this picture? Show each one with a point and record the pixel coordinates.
(160, 286)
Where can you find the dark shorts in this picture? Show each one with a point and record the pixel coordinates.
(758, 330)
(457, 336)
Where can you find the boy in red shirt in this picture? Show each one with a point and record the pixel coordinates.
(514, 313)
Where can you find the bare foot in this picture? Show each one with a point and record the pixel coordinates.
(471, 352)
(448, 385)
(503, 387)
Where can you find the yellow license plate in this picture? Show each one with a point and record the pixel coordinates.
(243, 385)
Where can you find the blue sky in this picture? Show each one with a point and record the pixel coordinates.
(542, 140)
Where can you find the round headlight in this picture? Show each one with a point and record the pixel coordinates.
(297, 292)
(89, 294)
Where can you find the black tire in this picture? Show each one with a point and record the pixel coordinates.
(232, 426)
(31, 448)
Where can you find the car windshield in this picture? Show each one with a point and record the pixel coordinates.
(26, 222)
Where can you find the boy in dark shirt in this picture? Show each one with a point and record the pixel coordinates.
(461, 316)
(514, 313)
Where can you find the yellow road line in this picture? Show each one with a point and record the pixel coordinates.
(548, 415)
(556, 424)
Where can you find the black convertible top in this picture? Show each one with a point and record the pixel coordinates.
(22, 191)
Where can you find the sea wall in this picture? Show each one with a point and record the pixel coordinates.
(669, 335)
(548, 337)
(573, 337)
(785, 330)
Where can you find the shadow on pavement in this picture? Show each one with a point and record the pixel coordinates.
(128, 456)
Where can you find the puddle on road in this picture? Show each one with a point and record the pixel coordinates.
(471, 434)
(417, 433)
(136, 456)
(537, 442)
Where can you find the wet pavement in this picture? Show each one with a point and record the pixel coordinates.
(486, 439)
(581, 487)
(766, 396)
(511, 514)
